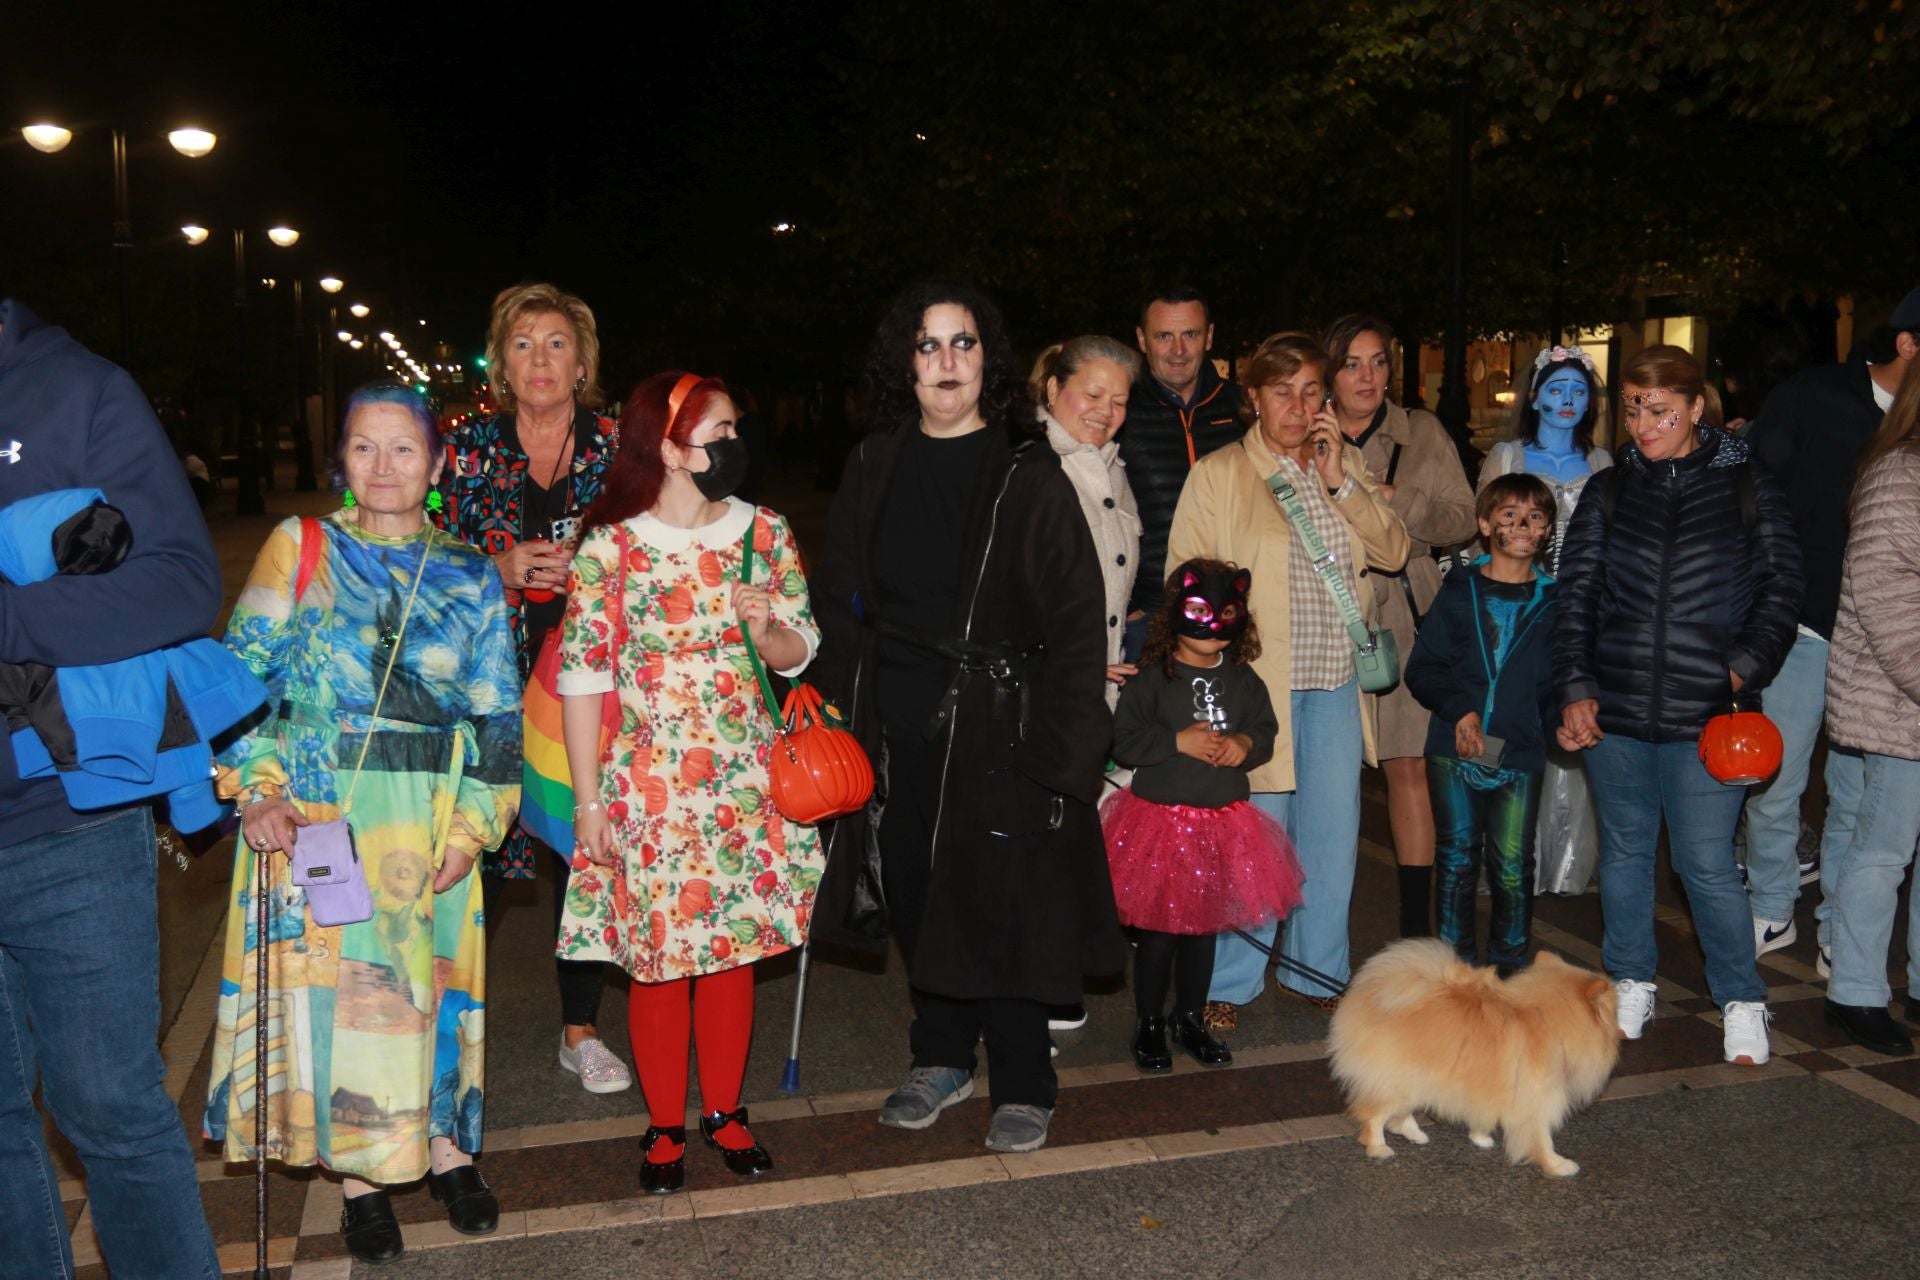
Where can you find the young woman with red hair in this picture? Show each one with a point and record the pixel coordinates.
(684, 873)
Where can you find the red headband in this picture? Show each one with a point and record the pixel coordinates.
(678, 396)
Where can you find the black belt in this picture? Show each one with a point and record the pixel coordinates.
(1007, 665)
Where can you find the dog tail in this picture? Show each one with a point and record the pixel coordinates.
(1407, 972)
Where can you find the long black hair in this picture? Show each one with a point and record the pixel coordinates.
(887, 401)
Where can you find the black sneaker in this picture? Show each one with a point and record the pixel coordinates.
(1809, 867)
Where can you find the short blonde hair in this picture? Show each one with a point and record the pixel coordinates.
(516, 303)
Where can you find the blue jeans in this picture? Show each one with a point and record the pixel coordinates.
(1860, 924)
(1796, 702)
(79, 1008)
(1489, 814)
(1633, 783)
(1322, 816)
(1846, 780)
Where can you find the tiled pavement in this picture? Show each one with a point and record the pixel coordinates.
(1805, 1167)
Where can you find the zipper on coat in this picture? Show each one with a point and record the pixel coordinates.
(966, 633)
(1660, 604)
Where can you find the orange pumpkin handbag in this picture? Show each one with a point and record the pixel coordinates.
(1740, 748)
(817, 769)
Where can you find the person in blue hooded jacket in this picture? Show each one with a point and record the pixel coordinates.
(79, 933)
(1483, 665)
(121, 731)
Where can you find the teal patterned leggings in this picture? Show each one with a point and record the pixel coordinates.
(1478, 809)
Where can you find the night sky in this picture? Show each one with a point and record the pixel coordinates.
(429, 153)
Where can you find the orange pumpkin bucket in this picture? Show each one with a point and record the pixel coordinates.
(1741, 748)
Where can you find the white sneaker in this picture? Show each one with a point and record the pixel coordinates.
(594, 1063)
(1744, 1024)
(1769, 935)
(1634, 1006)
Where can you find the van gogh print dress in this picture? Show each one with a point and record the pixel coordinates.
(376, 1029)
(709, 877)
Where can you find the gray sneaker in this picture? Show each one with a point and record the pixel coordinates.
(924, 1094)
(1018, 1126)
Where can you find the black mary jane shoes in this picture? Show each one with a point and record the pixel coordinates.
(746, 1162)
(471, 1208)
(663, 1177)
(1150, 1052)
(1190, 1033)
(367, 1225)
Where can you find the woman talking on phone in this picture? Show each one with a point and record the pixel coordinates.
(1229, 511)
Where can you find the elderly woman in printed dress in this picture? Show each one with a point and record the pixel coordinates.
(685, 874)
(376, 1026)
(515, 485)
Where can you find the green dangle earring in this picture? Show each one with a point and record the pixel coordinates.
(347, 500)
(435, 503)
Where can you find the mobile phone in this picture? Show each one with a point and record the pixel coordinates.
(564, 528)
(1490, 752)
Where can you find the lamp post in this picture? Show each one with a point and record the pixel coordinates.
(1454, 408)
(192, 143)
(248, 498)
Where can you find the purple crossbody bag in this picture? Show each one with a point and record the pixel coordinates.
(326, 863)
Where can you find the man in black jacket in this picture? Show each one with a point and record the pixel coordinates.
(79, 938)
(1176, 416)
(1809, 435)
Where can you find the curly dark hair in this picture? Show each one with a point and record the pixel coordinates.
(886, 383)
(1162, 644)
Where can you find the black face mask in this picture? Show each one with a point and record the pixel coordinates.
(1213, 604)
(726, 468)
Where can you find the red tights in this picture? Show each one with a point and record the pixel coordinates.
(715, 1012)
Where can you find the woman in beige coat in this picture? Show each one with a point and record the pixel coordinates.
(1423, 481)
(1873, 705)
(1080, 390)
(1312, 784)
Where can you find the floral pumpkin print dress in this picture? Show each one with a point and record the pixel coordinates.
(710, 876)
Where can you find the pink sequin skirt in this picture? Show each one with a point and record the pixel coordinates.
(1178, 869)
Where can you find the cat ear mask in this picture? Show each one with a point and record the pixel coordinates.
(1212, 603)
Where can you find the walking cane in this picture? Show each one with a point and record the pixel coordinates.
(261, 889)
(790, 1078)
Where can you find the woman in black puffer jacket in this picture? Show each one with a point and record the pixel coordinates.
(1680, 584)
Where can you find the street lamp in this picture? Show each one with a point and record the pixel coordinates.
(360, 310)
(192, 143)
(195, 233)
(48, 138)
(285, 237)
(344, 336)
(332, 284)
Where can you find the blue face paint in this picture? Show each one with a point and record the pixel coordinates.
(1560, 403)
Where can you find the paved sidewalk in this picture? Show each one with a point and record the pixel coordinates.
(1690, 1167)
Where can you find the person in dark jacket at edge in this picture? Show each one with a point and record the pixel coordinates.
(1679, 587)
(963, 618)
(1177, 416)
(1810, 433)
(79, 930)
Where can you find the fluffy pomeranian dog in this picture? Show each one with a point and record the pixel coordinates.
(1418, 1030)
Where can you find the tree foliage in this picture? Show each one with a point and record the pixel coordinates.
(1292, 160)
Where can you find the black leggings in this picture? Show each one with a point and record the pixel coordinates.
(580, 980)
(1155, 959)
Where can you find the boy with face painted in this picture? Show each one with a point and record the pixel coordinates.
(1483, 666)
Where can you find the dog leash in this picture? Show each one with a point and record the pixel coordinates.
(1307, 971)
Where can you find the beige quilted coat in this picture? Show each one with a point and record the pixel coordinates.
(1873, 672)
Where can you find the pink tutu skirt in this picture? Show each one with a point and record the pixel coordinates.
(1178, 869)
